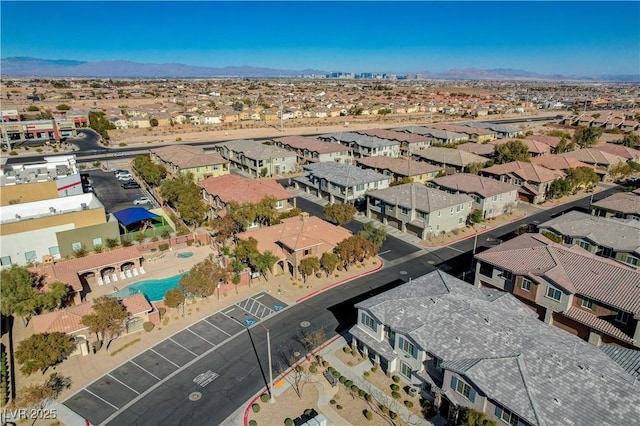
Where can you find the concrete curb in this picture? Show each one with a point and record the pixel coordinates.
(330, 286)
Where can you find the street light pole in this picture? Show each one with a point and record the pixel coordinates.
(272, 398)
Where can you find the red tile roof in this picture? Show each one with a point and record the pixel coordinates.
(597, 323)
(619, 150)
(483, 186)
(526, 171)
(557, 162)
(187, 157)
(574, 269)
(244, 190)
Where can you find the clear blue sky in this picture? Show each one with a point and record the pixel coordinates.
(579, 38)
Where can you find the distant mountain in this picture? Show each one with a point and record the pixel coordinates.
(33, 67)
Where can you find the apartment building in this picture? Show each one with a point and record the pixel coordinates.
(185, 159)
(311, 150)
(444, 137)
(623, 205)
(451, 160)
(401, 168)
(418, 210)
(532, 179)
(469, 348)
(408, 141)
(363, 145)
(258, 159)
(595, 298)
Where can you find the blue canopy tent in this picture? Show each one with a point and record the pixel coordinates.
(136, 218)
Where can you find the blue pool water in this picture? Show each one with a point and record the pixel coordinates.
(154, 290)
(184, 254)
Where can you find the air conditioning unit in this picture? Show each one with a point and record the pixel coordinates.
(413, 391)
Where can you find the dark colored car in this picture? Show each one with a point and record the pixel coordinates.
(131, 185)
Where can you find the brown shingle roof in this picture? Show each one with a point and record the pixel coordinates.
(594, 156)
(527, 171)
(400, 166)
(619, 150)
(394, 135)
(484, 149)
(313, 145)
(483, 186)
(557, 162)
(244, 190)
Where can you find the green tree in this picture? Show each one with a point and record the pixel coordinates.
(174, 297)
(582, 177)
(152, 173)
(475, 167)
(308, 266)
(242, 214)
(513, 150)
(63, 107)
(631, 140)
(246, 249)
(41, 351)
(329, 261)
(100, 123)
(17, 293)
(564, 146)
(265, 211)
(373, 233)
(153, 122)
(112, 243)
(55, 296)
(401, 181)
(203, 278)
(558, 188)
(224, 227)
(108, 318)
(183, 193)
(476, 418)
(263, 262)
(354, 249)
(587, 136)
(340, 214)
(475, 216)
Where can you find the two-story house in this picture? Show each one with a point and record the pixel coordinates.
(258, 159)
(363, 145)
(408, 141)
(452, 160)
(339, 182)
(218, 192)
(296, 238)
(476, 134)
(445, 137)
(468, 348)
(311, 150)
(401, 168)
(501, 130)
(532, 179)
(418, 210)
(601, 160)
(185, 159)
(490, 196)
(595, 298)
(623, 205)
(612, 238)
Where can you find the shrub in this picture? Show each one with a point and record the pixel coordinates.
(395, 387)
(396, 395)
(253, 423)
(368, 414)
(122, 144)
(336, 374)
(256, 407)
(332, 402)
(162, 311)
(374, 369)
(154, 238)
(362, 393)
(346, 350)
(348, 383)
(264, 397)
(354, 388)
(408, 404)
(163, 247)
(339, 407)
(342, 379)
(366, 374)
(396, 379)
(318, 274)
(331, 369)
(325, 363)
(288, 422)
(148, 326)
(126, 243)
(392, 415)
(313, 369)
(384, 409)
(368, 397)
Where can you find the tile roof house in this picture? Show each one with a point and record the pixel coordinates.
(453, 160)
(482, 349)
(399, 168)
(310, 150)
(296, 238)
(476, 134)
(611, 238)
(418, 210)
(218, 192)
(600, 159)
(445, 137)
(339, 182)
(408, 141)
(536, 148)
(363, 145)
(490, 196)
(620, 150)
(623, 205)
(532, 179)
(596, 298)
(258, 159)
(502, 130)
(184, 159)
(552, 141)
(558, 162)
(483, 149)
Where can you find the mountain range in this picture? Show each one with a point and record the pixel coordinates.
(34, 67)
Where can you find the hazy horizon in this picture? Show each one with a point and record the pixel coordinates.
(570, 38)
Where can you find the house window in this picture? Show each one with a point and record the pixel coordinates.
(554, 294)
(97, 242)
(622, 317)
(587, 303)
(306, 252)
(439, 213)
(525, 284)
(585, 245)
(279, 204)
(460, 220)
(422, 215)
(437, 363)
(606, 252)
(369, 322)
(451, 211)
(458, 208)
(507, 416)
(518, 181)
(76, 246)
(404, 211)
(568, 240)
(360, 187)
(632, 260)
(486, 269)
(507, 275)
(54, 251)
(494, 198)
(408, 347)
(463, 389)
(30, 256)
(5, 260)
(405, 370)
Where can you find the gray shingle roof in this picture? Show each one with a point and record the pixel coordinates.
(358, 139)
(501, 128)
(620, 235)
(344, 174)
(625, 202)
(256, 150)
(543, 374)
(435, 133)
(452, 157)
(423, 198)
(629, 359)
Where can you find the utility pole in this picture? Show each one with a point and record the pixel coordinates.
(272, 399)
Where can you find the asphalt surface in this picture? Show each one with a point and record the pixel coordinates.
(240, 362)
(109, 191)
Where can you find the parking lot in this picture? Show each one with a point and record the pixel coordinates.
(109, 191)
(120, 386)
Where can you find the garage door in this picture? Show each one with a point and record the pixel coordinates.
(414, 230)
(394, 222)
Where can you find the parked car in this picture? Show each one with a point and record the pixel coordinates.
(121, 172)
(142, 200)
(87, 188)
(124, 178)
(131, 185)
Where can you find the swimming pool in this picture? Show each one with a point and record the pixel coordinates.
(184, 254)
(154, 290)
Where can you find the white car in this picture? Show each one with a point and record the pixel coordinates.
(119, 173)
(142, 200)
(124, 178)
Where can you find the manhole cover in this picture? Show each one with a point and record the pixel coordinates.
(403, 272)
(194, 396)
(305, 324)
(296, 354)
